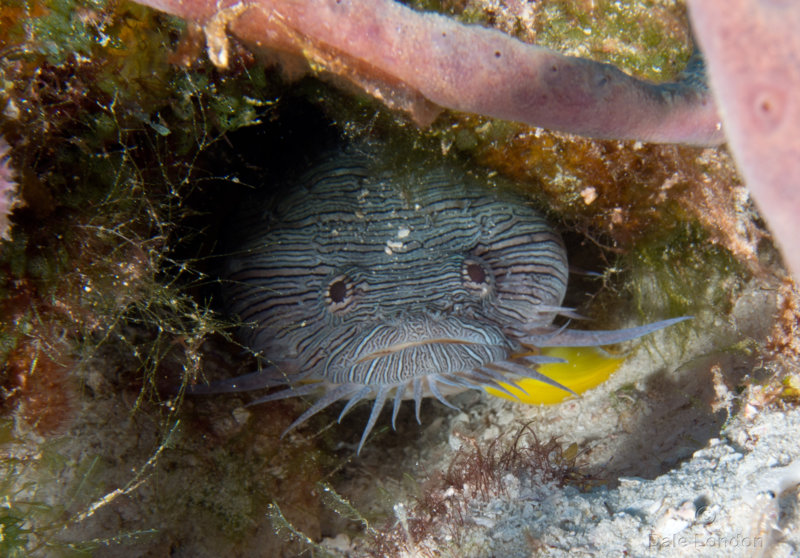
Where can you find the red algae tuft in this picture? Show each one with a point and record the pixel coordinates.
(36, 377)
(444, 511)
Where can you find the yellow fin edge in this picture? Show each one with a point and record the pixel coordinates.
(586, 368)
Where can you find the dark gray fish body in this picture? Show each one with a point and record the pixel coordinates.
(378, 283)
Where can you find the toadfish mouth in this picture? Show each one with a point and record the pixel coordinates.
(414, 347)
(410, 344)
(480, 375)
(420, 358)
(435, 356)
(413, 358)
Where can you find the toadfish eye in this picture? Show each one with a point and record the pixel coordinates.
(476, 273)
(337, 291)
(339, 295)
(476, 276)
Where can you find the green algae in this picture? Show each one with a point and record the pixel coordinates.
(649, 38)
(30, 523)
(107, 147)
(106, 136)
(684, 274)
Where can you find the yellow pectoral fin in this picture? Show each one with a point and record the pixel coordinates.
(586, 367)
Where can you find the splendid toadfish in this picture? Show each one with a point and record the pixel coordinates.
(367, 282)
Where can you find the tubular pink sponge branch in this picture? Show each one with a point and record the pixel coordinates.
(753, 53)
(411, 59)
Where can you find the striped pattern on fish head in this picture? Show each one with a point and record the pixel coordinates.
(380, 283)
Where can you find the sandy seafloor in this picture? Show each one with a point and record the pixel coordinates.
(734, 497)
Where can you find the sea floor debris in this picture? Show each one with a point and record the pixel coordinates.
(733, 497)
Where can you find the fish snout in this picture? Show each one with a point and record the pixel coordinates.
(417, 346)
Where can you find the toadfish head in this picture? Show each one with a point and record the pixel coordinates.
(367, 282)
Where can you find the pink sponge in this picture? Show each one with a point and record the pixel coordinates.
(419, 61)
(752, 50)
